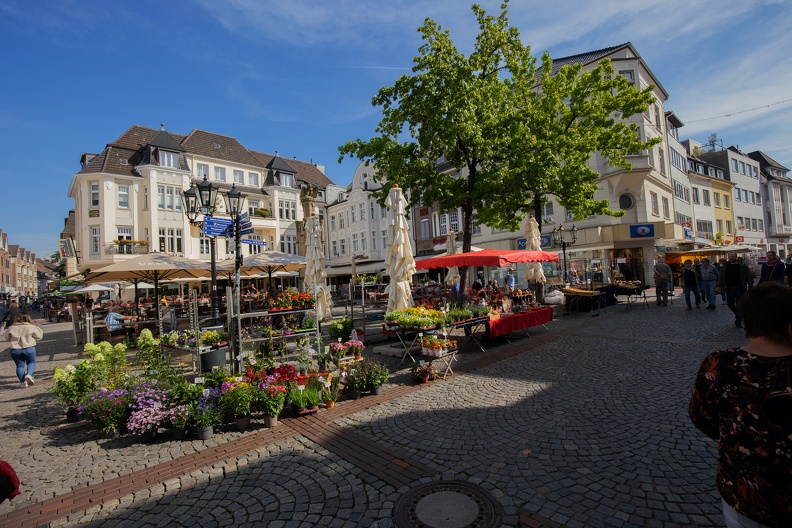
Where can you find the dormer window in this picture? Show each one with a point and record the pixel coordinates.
(286, 180)
(168, 159)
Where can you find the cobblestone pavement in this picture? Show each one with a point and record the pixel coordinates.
(583, 424)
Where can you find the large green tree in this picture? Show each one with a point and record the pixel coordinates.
(496, 131)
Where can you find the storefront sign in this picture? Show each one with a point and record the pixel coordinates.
(688, 233)
(545, 241)
(740, 239)
(642, 231)
(522, 243)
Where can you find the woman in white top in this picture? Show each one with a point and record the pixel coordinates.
(23, 335)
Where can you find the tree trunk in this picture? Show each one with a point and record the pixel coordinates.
(538, 211)
(467, 237)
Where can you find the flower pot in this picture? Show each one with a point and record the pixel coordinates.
(425, 379)
(72, 415)
(354, 395)
(306, 412)
(149, 436)
(330, 404)
(270, 421)
(215, 357)
(205, 433)
(243, 423)
(375, 390)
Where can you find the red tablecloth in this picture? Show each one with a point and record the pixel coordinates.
(504, 325)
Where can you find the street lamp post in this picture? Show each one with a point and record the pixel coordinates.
(558, 239)
(235, 201)
(201, 200)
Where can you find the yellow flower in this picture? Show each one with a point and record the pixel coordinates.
(59, 374)
(99, 357)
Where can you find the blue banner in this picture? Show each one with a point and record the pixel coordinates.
(642, 231)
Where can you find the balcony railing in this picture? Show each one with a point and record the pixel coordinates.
(126, 248)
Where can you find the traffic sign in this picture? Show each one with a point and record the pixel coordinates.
(214, 230)
(253, 242)
(246, 231)
(242, 216)
(214, 221)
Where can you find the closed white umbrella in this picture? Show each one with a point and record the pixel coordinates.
(314, 269)
(452, 277)
(533, 238)
(399, 261)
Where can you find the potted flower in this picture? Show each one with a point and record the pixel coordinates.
(423, 371)
(238, 400)
(150, 410)
(374, 374)
(107, 410)
(71, 385)
(355, 347)
(271, 398)
(306, 400)
(324, 359)
(332, 391)
(340, 328)
(354, 382)
(179, 419)
(205, 413)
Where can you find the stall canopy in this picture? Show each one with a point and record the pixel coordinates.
(733, 248)
(496, 258)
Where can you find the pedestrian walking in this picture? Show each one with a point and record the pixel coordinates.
(773, 269)
(697, 267)
(11, 314)
(662, 277)
(721, 264)
(690, 283)
(736, 279)
(709, 281)
(741, 399)
(23, 335)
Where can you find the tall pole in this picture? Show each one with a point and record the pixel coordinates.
(214, 297)
(563, 249)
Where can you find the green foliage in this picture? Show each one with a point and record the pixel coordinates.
(184, 392)
(307, 398)
(373, 373)
(72, 384)
(215, 378)
(355, 381)
(340, 328)
(506, 144)
(109, 364)
(239, 399)
(151, 360)
(333, 391)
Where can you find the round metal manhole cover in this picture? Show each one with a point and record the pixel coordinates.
(447, 504)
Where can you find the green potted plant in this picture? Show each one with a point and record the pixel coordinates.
(332, 391)
(340, 328)
(304, 401)
(270, 401)
(423, 371)
(205, 414)
(71, 386)
(238, 400)
(374, 374)
(354, 382)
(107, 410)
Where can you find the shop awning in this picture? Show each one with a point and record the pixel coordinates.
(360, 268)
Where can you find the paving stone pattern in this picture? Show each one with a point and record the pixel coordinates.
(580, 425)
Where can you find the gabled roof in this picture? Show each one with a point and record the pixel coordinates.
(302, 170)
(279, 164)
(166, 141)
(591, 57)
(765, 160)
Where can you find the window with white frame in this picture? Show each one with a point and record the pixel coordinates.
(363, 242)
(751, 198)
(286, 180)
(666, 208)
(383, 211)
(287, 209)
(204, 245)
(745, 195)
(161, 197)
(758, 198)
(705, 196)
(334, 248)
(756, 172)
(373, 241)
(124, 233)
(371, 210)
(655, 205)
(342, 242)
(288, 244)
(547, 212)
(719, 225)
(361, 211)
(696, 195)
(760, 224)
(220, 174)
(661, 155)
(754, 224)
(252, 206)
(168, 159)
(726, 201)
(443, 224)
(94, 194)
(716, 198)
(740, 223)
(384, 238)
(253, 179)
(170, 240)
(704, 228)
(169, 197)
(355, 243)
(425, 232)
(255, 249)
(352, 215)
(629, 75)
(742, 167)
(475, 228)
(239, 177)
(735, 165)
(677, 159)
(453, 221)
(123, 196)
(203, 170)
(332, 222)
(342, 219)
(737, 195)
(728, 227)
(95, 240)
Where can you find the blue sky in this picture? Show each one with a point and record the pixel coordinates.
(298, 77)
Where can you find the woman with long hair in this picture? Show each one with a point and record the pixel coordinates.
(23, 335)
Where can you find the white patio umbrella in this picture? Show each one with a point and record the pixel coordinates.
(452, 276)
(140, 285)
(94, 288)
(399, 261)
(314, 270)
(533, 237)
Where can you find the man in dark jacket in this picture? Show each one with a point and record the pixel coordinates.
(736, 279)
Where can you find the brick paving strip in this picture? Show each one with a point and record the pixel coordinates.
(389, 465)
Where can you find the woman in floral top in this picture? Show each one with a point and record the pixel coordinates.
(743, 398)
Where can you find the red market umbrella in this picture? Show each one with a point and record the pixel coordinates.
(488, 257)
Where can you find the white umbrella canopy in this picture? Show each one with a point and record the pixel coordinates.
(94, 288)
(314, 270)
(141, 286)
(533, 237)
(452, 276)
(399, 261)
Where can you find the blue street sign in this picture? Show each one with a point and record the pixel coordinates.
(246, 225)
(254, 242)
(522, 243)
(242, 216)
(213, 230)
(214, 221)
(246, 231)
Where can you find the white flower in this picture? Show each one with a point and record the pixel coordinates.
(99, 357)
(70, 368)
